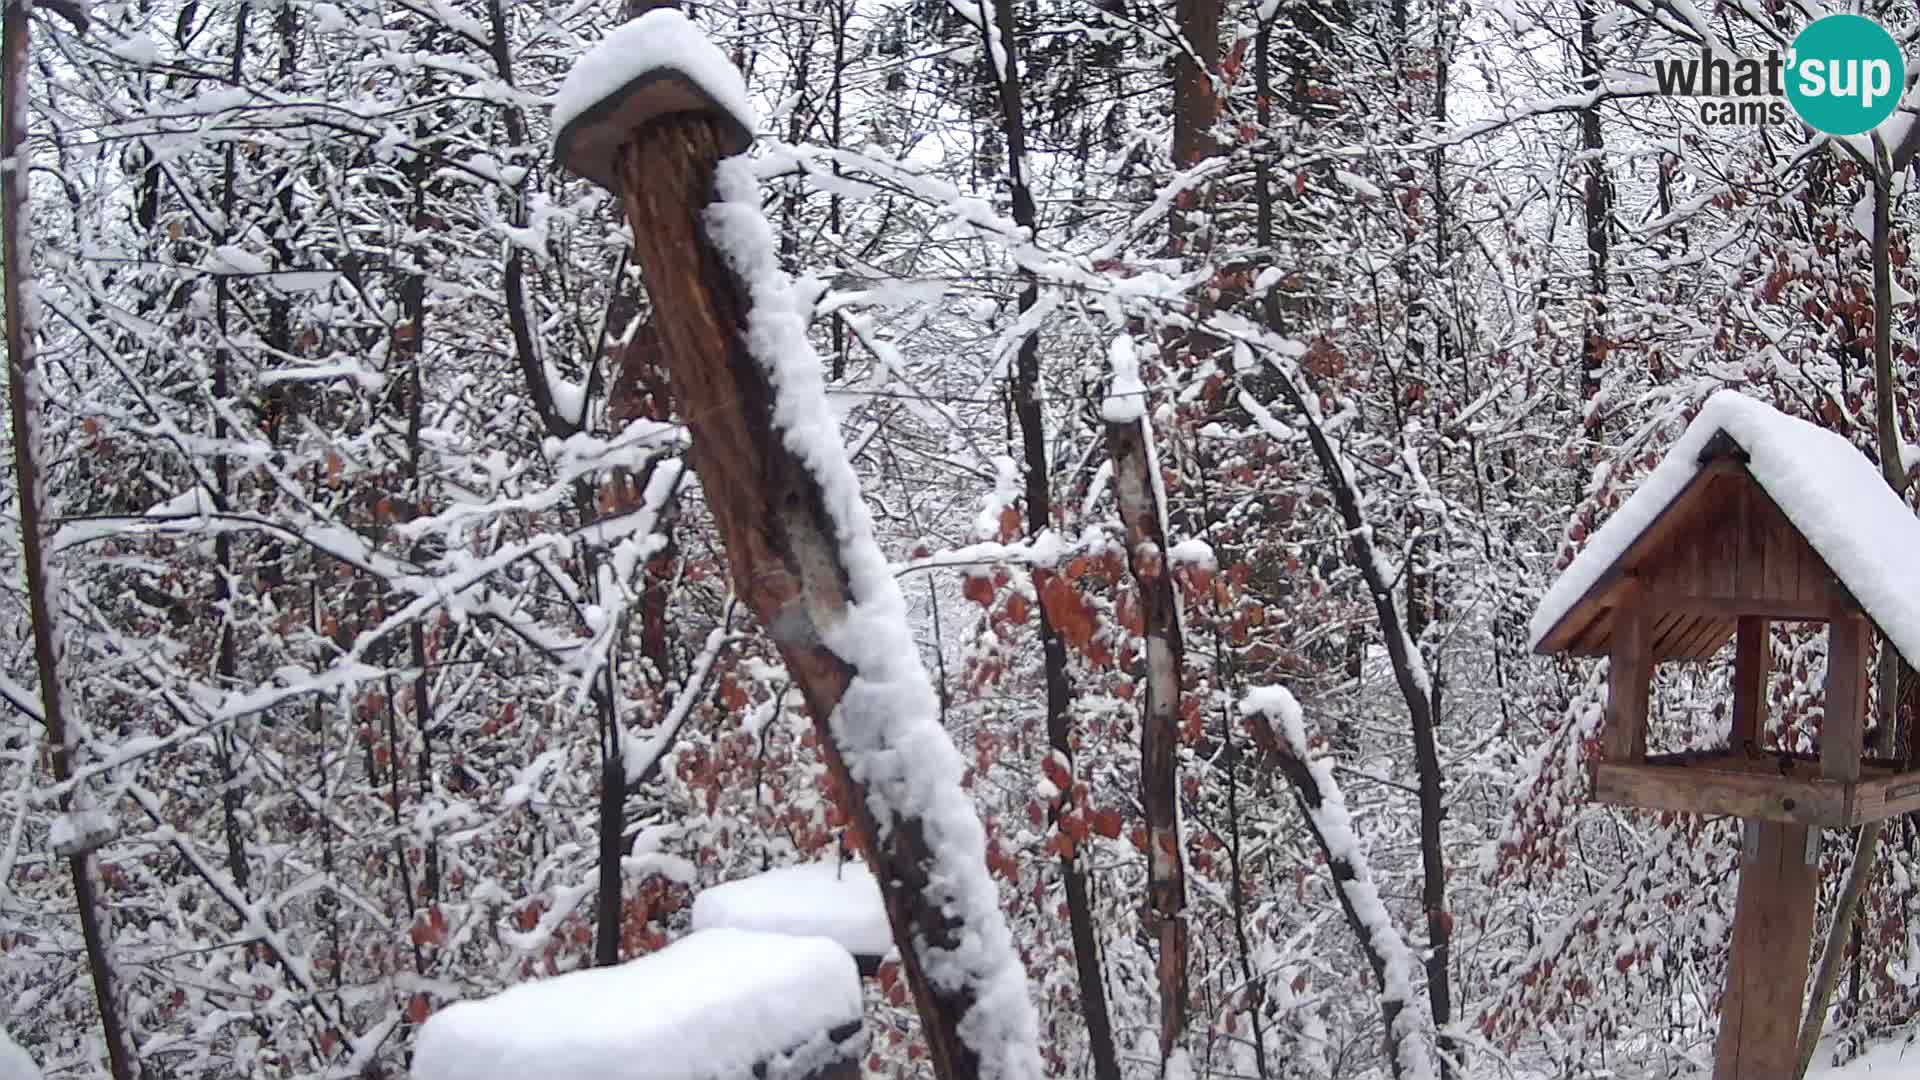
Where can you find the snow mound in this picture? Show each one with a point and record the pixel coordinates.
(711, 1006)
(1827, 489)
(15, 1064)
(660, 39)
(824, 899)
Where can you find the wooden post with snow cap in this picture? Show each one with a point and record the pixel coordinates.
(650, 114)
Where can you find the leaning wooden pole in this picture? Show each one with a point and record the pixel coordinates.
(23, 399)
(651, 114)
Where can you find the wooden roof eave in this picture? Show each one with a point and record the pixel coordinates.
(1618, 581)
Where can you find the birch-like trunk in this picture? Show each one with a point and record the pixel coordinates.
(1141, 511)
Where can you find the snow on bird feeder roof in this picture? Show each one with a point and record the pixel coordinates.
(840, 901)
(657, 65)
(715, 1005)
(1829, 493)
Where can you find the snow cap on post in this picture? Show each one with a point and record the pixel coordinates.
(657, 65)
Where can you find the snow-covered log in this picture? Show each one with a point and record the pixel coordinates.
(837, 901)
(797, 533)
(715, 1005)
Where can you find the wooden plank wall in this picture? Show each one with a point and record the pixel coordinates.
(1739, 555)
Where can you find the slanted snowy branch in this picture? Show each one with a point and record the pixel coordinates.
(1281, 727)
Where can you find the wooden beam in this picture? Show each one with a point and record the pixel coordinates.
(1769, 796)
(783, 555)
(1842, 731)
(1629, 679)
(1783, 608)
(1767, 970)
(1752, 661)
(1887, 796)
(1708, 635)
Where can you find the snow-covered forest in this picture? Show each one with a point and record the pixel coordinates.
(1224, 383)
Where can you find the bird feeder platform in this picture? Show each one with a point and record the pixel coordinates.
(1769, 787)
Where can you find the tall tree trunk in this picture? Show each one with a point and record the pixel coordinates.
(225, 660)
(610, 895)
(1598, 207)
(1195, 105)
(1866, 844)
(1033, 438)
(607, 902)
(1196, 109)
(1433, 889)
(24, 390)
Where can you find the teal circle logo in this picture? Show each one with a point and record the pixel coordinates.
(1845, 74)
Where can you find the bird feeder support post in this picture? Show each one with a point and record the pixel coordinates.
(1752, 663)
(1842, 735)
(1773, 914)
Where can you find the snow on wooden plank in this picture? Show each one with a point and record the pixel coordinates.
(1828, 490)
(711, 1006)
(839, 901)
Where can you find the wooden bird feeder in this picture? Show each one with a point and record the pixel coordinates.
(1753, 517)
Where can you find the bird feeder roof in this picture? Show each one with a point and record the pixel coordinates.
(1829, 498)
(657, 65)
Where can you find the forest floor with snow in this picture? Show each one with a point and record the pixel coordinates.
(1895, 1060)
